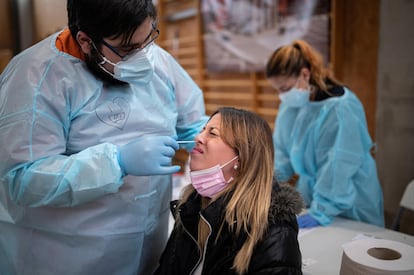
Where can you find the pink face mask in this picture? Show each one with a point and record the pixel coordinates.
(208, 182)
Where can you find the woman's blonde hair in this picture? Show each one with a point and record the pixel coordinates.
(290, 59)
(249, 194)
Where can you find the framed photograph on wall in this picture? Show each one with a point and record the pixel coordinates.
(240, 35)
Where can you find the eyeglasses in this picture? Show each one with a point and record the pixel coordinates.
(152, 36)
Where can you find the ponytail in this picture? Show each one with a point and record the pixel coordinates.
(289, 60)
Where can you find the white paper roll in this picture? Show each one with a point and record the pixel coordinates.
(377, 256)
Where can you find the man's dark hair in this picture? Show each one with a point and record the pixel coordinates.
(108, 18)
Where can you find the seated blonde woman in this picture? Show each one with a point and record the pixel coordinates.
(234, 218)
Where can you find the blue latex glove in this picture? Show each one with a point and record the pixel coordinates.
(148, 156)
(307, 221)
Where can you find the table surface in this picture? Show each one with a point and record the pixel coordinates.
(322, 250)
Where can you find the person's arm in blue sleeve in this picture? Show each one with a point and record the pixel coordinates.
(189, 99)
(66, 180)
(283, 167)
(339, 154)
(92, 173)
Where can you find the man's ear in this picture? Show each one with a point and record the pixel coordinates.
(84, 42)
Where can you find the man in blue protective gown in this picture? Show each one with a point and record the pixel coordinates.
(89, 122)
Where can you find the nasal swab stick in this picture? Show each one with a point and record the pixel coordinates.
(185, 141)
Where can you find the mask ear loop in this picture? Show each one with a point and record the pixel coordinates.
(103, 60)
(311, 88)
(222, 166)
(298, 81)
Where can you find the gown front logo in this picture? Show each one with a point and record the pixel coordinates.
(114, 113)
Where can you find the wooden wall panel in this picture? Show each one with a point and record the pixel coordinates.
(6, 25)
(7, 37)
(354, 50)
(49, 17)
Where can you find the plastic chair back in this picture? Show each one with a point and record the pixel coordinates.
(406, 203)
(407, 200)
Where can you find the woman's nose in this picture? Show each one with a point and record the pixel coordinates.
(199, 138)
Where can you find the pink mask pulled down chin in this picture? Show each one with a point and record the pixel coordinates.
(209, 182)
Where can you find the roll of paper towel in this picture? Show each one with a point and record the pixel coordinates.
(377, 256)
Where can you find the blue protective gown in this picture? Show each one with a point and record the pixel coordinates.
(64, 206)
(328, 145)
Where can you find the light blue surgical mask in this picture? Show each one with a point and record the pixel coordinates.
(295, 97)
(138, 68)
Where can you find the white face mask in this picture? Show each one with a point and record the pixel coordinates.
(295, 97)
(138, 68)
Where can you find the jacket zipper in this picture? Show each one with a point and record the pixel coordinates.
(199, 248)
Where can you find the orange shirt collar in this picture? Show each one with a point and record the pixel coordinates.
(66, 43)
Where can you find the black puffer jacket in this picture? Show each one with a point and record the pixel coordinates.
(277, 253)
